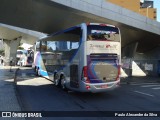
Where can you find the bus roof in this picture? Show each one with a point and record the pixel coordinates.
(55, 33)
(101, 24)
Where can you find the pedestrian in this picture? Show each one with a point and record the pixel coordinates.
(2, 61)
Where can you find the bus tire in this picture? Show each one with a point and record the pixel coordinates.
(20, 64)
(37, 72)
(62, 80)
(35, 68)
(57, 82)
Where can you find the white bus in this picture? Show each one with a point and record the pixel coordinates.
(83, 58)
(24, 57)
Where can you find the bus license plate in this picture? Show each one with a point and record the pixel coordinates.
(104, 86)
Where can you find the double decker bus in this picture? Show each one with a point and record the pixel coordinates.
(83, 58)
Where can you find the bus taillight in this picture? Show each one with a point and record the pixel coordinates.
(85, 74)
(88, 87)
(102, 24)
(88, 23)
(87, 80)
(119, 72)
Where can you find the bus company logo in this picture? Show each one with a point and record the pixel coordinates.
(111, 46)
(108, 46)
(96, 46)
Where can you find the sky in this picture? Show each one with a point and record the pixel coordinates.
(157, 5)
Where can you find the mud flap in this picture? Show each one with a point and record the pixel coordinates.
(74, 76)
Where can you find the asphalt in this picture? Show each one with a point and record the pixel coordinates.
(9, 100)
(144, 79)
(8, 95)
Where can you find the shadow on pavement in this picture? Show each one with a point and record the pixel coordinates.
(144, 79)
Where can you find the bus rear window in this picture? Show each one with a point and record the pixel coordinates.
(108, 33)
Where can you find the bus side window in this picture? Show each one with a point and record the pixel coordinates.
(43, 46)
(38, 46)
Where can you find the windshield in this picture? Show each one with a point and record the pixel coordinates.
(96, 32)
(19, 52)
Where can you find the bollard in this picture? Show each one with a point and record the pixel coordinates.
(15, 77)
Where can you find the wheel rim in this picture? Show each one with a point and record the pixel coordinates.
(56, 82)
(38, 72)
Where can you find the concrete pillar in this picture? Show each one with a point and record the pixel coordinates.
(129, 52)
(10, 48)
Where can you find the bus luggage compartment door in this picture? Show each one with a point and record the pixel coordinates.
(74, 76)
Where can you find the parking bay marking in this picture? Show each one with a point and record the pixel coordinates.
(158, 85)
(157, 88)
(144, 93)
(143, 83)
(155, 85)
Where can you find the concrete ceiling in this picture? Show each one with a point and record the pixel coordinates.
(48, 17)
(8, 32)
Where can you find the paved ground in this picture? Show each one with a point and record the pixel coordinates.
(37, 93)
(8, 96)
(148, 79)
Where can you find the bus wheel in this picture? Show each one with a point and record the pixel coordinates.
(35, 69)
(63, 86)
(37, 72)
(57, 82)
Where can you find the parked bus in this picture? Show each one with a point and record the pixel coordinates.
(83, 58)
(24, 57)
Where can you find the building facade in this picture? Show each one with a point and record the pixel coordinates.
(142, 7)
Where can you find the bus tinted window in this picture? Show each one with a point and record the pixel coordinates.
(37, 46)
(58, 50)
(109, 33)
(61, 45)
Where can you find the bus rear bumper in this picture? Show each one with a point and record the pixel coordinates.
(101, 87)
